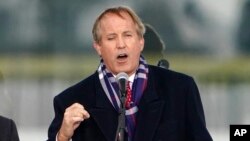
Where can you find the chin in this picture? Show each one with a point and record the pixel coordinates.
(121, 70)
(125, 68)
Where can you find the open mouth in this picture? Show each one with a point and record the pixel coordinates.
(122, 56)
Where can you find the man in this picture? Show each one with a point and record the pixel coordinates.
(8, 131)
(164, 105)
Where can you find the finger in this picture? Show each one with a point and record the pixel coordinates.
(81, 113)
(86, 115)
(74, 108)
(76, 124)
(77, 105)
(77, 119)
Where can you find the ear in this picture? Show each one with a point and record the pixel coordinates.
(97, 48)
(142, 43)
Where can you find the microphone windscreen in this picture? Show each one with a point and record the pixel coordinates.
(121, 79)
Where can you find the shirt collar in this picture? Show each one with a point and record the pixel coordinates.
(131, 78)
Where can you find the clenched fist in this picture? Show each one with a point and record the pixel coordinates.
(73, 116)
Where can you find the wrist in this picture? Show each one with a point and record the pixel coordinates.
(62, 137)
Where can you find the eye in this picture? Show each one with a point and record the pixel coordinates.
(111, 38)
(128, 35)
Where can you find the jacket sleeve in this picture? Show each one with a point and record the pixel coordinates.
(57, 121)
(14, 134)
(196, 125)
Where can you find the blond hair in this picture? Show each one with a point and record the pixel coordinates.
(140, 28)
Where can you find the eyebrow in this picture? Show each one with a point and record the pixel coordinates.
(114, 34)
(128, 32)
(111, 34)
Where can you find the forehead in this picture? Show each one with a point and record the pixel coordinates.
(111, 19)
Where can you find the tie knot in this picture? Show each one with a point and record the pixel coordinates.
(128, 84)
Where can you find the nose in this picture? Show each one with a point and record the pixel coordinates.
(120, 43)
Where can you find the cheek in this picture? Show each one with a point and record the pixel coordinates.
(107, 53)
(138, 50)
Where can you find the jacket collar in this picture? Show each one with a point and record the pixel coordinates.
(103, 112)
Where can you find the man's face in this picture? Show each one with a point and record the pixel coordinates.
(120, 45)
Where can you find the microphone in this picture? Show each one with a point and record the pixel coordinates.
(163, 63)
(122, 79)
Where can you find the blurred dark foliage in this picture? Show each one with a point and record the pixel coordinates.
(153, 42)
(243, 38)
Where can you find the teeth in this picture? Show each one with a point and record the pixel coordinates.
(122, 55)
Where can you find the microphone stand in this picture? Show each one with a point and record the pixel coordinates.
(121, 118)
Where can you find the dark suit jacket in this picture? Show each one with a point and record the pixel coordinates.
(170, 110)
(8, 131)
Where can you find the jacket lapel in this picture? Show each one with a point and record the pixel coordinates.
(104, 113)
(148, 117)
(150, 110)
